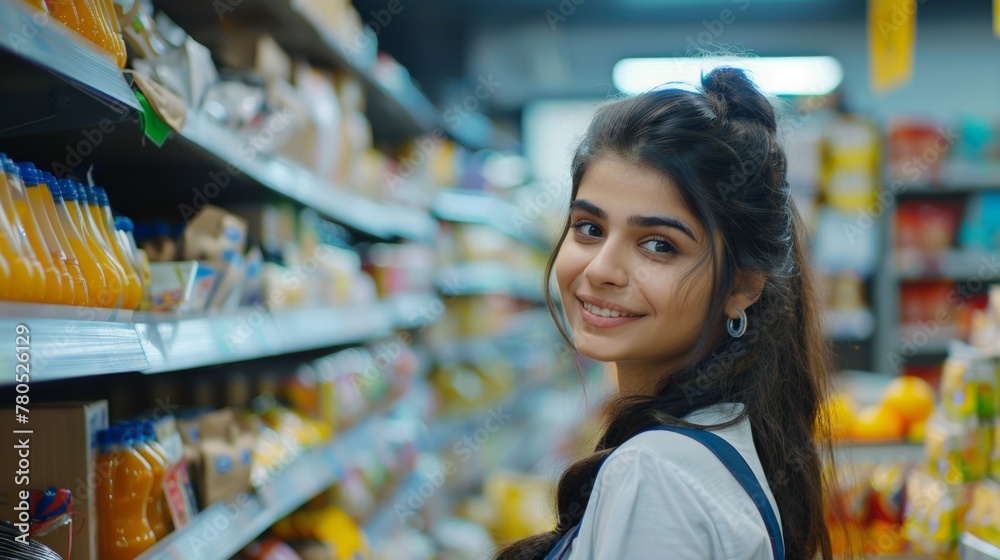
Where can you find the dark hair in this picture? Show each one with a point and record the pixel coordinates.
(720, 147)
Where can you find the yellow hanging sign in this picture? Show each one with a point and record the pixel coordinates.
(996, 17)
(892, 30)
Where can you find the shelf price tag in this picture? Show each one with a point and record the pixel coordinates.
(891, 34)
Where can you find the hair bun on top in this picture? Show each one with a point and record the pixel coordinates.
(738, 97)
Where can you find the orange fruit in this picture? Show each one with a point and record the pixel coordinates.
(915, 432)
(838, 410)
(878, 423)
(911, 397)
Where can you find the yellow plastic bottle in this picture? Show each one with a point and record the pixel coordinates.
(115, 29)
(125, 229)
(6, 280)
(42, 203)
(101, 213)
(91, 213)
(31, 209)
(14, 206)
(64, 12)
(67, 208)
(98, 293)
(156, 512)
(121, 495)
(113, 276)
(91, 25)
(24, 272)
(68, 237)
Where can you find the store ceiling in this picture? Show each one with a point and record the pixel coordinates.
(433, 38)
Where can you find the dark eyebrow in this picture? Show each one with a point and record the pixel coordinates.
(634, 221)
(589, 207)
(653, 221)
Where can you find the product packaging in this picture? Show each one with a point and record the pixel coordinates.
(956, 451)
(934, 513)
(225, 457)
(983, 519)
(60, 451)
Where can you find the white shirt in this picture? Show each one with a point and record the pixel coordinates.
(664, 495)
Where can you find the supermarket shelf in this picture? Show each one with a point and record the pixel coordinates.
(878, 452)
(490, 278)
(469, 206)
(974, 548)
(222, 529)
(960, 265)
(849, 325)
(396, 109)
(196, 342)
(69, 342)
(68, 82)
(291, 180)
(380, 523)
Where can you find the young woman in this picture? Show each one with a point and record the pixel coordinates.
(684, 262)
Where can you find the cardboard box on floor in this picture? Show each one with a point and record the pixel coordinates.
(62, 453)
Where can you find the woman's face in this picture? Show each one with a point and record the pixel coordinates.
(628, 270)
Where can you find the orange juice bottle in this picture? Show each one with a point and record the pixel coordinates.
(113, 272)
(33, 209)
(91, 213)
(64, 12)
(41, 199)
(23, 271)
(15, 206)
(115, 29)
(68, 210)
(124, 482)
(90, 263)
(6, 280)
(69, 237)
(125, 229)
(91, 24)
(101, 213)
(156, 506)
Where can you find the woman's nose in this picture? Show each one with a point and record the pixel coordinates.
(607, 267)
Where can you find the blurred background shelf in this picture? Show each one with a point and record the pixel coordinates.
(63, 81)
(469, 206)
(496, 278)
(288, 178)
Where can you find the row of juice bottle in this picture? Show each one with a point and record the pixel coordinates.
(132, 509)
(95, 20)
(60, 243)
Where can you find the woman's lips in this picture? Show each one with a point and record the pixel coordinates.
(602, 321)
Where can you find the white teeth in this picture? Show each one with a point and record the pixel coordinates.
(603, 312)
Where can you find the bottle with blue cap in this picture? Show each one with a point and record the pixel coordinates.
(61, 290)
(93, 274)
(101, 213)
(19, 271)
(124, 483)
(114, 275)
(51, 199)
(15, 205)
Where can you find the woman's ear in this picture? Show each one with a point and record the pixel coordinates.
(747, 287)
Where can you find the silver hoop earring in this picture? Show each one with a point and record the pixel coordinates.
(737, 332)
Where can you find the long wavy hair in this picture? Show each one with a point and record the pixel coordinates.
(720, 146)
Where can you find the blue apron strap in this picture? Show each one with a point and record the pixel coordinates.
(737, 465)
(562, 546)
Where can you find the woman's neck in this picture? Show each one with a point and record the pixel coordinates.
(638, 378)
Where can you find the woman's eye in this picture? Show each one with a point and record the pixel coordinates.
(657, 246)
(587, 228)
